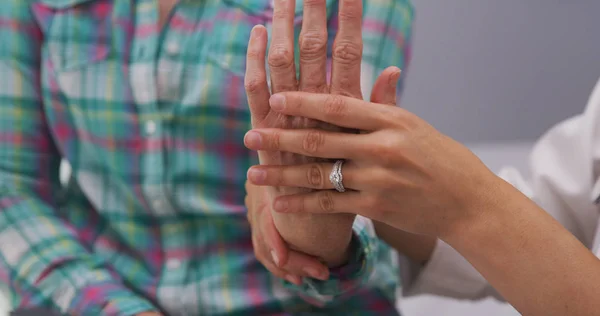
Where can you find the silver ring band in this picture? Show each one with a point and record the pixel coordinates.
(336, 178)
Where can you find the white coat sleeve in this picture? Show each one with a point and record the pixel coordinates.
(564, 168)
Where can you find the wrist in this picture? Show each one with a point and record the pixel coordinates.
(324, 236)
(480, 211)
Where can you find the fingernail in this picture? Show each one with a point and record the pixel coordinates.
(314, 273)
(275, 258)
(394, 78)
(257, 175)
(252, 139)
(293, 279)
(280, 205)
(277, 102)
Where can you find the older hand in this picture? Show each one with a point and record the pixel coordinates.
(269, 247)
(400, 171)
(326, 236)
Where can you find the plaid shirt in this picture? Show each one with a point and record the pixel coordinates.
(151, 122)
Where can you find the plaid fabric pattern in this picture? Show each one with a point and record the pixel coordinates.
(151, 121)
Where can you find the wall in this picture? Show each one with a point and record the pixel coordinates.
(502, 70)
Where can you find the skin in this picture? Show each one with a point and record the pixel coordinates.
(320, 237)
(268, 244)
(402, 172)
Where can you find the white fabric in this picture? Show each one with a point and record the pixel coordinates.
(564, 167)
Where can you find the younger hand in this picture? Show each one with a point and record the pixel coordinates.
(400, 171)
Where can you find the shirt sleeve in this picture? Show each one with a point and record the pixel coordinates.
(40, 256)
(371, 265)
(564, 182)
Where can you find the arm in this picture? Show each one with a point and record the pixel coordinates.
(563, 181)
(40, 256)
(529, 257)
(532, 261)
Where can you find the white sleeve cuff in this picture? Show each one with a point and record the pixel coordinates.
(446, 274)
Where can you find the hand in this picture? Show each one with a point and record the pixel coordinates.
(301, 231)
(400, 171)
(269, 247)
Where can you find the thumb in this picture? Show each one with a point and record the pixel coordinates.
(386, 86)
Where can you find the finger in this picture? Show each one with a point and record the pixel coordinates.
(304, 265)
(280, 273)
(281, 52)
(292, 264)
(313, 47)
(262, 254)
(347, 50)
(324, 202)
(308, 142)
(255, 80)
(386, 87)
(337, 110)
(273, 241)
(312, 176)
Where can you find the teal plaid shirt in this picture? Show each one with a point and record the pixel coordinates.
(151, 122)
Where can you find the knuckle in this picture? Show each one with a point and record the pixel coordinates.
(347, 87)
(334, 107)
(313, 44)
(373, 203)
(313, 141)
(253, 84)
(347, 52)
(326, 201)
(276, 177)
(273, 141)
(315, 176)
(314, 3)
(318, 88)
(280, 12)
(280, 57)
(401, 118)
(253, 54)
(369, 201)
(386, 150)
(351, 11)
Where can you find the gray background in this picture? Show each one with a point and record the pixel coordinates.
(496, 75)
(502, 70)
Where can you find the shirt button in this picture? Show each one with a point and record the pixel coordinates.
(150, 127)
(172, 48)
(173, 264)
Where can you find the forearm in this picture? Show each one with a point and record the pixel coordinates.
(417, 248)
(531, 260)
